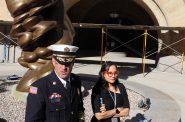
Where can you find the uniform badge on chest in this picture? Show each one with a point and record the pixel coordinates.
(55, 97)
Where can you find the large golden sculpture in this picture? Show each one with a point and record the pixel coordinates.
(38, 24)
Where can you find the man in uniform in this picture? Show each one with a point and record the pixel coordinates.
(57, 97)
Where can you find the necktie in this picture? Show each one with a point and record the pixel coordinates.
(68, 88)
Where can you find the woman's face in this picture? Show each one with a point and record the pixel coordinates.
(111, 74)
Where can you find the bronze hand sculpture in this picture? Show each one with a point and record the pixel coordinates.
(38, 24)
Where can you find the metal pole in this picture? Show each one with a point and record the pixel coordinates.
(4, 50)
(183, 46)
(14, 54)
(8, 53)
(106, 42)
(144, 50)
(102, 39)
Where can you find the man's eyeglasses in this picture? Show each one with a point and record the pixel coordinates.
(110, 74)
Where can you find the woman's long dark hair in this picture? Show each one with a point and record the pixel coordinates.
(102, 83)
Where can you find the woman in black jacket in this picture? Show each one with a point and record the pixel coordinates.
(109, 98)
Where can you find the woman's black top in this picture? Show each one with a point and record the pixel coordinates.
(121, 100)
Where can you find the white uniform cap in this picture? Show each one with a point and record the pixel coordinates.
(63, 50)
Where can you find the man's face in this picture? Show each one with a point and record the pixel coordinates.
(63, 70)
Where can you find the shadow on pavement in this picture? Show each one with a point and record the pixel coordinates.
(3, 120)
(4, 84)
(126, 68)
(138, 118)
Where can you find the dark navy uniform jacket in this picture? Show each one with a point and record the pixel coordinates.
(50, 102)
(121, 101)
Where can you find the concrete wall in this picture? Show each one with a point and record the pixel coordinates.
(4, 13)
(167, 13)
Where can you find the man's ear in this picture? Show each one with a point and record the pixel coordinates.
(72, 64)
(53, 61)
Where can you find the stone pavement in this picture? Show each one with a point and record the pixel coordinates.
(165, 90)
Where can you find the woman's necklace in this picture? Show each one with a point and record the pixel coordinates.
(113, 98)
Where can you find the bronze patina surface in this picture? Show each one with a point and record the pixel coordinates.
(38, 24)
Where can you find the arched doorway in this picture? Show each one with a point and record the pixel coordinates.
(104, 11)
